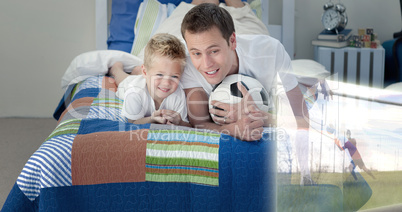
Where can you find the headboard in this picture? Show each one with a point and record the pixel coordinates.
(284, 32)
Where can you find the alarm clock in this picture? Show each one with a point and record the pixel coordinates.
(334, 17)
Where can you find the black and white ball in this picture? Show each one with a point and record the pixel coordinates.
(227, 91)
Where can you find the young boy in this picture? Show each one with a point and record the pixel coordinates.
(156, 96)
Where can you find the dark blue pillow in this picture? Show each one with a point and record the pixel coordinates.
(124, 13)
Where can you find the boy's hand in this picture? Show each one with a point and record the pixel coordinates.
(172, 117)
(157, 117)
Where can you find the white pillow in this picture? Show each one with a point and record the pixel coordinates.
(309, 71)
(395, 87)
(97, 63)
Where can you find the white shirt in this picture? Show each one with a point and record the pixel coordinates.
(138, 103)
(260, 56)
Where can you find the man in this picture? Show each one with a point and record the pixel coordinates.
(215, 52)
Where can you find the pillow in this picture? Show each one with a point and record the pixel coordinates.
(95, 63)
(150, 14)
(124, 14)
(309, 71)
(395, 87)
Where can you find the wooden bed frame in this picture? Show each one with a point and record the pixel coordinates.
(284, 32)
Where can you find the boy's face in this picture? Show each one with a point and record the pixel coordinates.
(211, 54)
(162, 77)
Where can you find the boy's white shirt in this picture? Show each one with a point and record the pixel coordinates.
(138, 103)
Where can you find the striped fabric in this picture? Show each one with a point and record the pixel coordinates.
(49, 166)
(107, 108)
(91, 82)
(95, 98)
(183, 156)
(68, 127)
(150, 14)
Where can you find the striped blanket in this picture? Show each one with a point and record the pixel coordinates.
(95, 160)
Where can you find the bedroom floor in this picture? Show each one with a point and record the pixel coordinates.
(19, 138)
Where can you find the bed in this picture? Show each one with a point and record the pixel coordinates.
(95, 160)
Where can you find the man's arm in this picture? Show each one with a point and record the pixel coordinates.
(246, 128)
(232, 112)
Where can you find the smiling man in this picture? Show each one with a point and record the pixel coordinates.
(215, 52)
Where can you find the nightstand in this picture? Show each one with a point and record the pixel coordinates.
(362, 66)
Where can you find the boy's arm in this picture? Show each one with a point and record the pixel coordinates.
(234, 3)
(156, 117)
(136, 70)
(117, 72)
(185, 124)
(173, 117)
(147, 120)
(144, 120)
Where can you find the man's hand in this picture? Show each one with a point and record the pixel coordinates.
(248, 128)
(230, 113)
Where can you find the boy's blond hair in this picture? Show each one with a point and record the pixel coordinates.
(165, 45)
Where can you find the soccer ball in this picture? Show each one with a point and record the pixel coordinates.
(227, 91)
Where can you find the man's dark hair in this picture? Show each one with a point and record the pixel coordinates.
(203, 17)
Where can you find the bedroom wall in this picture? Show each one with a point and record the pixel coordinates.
(38, 40)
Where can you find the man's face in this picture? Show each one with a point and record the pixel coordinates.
(211, 54)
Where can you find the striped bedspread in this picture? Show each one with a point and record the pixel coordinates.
(95, 160)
